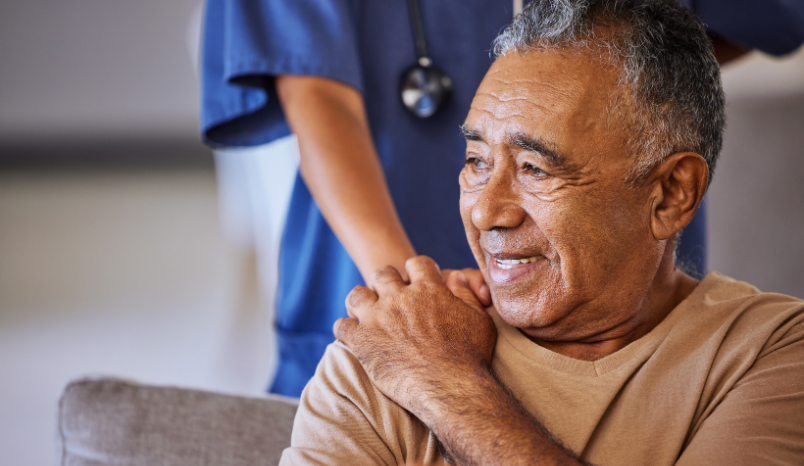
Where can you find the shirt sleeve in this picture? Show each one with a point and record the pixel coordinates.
(772, 26)
(761, 420)
(247, 43)
(343, 419)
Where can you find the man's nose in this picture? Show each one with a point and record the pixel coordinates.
(499, 205)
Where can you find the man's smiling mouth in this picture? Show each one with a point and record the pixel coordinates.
(506, 264)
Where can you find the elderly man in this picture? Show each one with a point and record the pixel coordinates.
(590, 144)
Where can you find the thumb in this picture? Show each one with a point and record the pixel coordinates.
(456, 282)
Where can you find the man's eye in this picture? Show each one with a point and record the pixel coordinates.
(534, 170)
(476, 162)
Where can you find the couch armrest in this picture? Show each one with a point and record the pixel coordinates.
(114, 422)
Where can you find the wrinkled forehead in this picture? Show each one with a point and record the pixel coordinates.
(563, 90)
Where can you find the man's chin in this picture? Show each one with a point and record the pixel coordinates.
(522, 311)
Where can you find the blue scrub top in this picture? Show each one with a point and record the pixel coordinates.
(366, 44)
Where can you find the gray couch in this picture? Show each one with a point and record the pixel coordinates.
(109, 421)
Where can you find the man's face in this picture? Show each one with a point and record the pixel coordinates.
(562, 239)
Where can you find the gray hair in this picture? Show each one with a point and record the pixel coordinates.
(668, 66)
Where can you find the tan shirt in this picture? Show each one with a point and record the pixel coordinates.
(719, 381)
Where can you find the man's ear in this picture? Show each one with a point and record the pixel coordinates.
(680, 183)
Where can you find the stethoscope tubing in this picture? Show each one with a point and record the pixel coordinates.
(418, 29)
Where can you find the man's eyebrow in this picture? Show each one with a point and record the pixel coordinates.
(470, 134)
(543, 148)
(529, 143)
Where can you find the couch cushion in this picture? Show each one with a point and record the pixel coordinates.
(115, 422)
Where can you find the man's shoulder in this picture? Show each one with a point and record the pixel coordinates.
(749, 347)
(727, 316)
(723, 300)
(340, 373)
(343, 418)
(735, 331)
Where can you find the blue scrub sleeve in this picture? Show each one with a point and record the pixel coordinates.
(772, 26)
(249, 42)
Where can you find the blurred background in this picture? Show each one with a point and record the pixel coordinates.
(113, 259)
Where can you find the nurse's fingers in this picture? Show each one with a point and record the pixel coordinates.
(459, 286)
(423, 268)
(478, 284)
(359, 301)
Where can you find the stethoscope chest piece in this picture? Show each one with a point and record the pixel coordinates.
(424, 89)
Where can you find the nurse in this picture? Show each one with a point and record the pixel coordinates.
(377, 184)
(329, 71)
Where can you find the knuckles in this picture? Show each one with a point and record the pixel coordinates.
(384, 274)
(421, 263)
(359, 296)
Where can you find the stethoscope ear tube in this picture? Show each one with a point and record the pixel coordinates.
(424, 88)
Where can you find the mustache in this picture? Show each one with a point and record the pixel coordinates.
(501, 240)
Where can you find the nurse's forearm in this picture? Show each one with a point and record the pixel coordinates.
(342, 171)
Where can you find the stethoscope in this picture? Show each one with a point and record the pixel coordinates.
(425, 88)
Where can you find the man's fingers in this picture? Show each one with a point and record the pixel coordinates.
(423, 268)
(478, 284)
(344, 330)
(459, 286)
(358, 302)
(386, 280)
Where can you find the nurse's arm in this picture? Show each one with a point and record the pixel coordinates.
(342, 171)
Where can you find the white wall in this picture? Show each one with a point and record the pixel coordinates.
(756, 202)
(84, 67)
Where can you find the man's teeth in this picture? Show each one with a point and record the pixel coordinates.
(508, 263)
